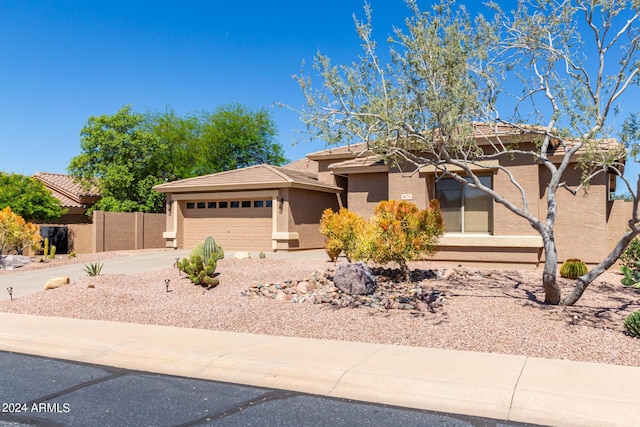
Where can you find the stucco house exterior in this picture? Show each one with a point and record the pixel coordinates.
(278, 208)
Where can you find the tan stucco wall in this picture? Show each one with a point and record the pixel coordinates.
(304, 216)
(366, 191)
(411, 185)
(581, 222)
(619, 213)
(325, 176)
(525, 172)
(127, 230)
(81, 238)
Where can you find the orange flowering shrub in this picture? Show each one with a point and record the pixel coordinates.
(340, 230)
(16, 234)
(400, 232)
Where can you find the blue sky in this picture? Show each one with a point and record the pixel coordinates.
(64, 61)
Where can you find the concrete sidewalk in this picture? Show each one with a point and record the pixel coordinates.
(517, 388)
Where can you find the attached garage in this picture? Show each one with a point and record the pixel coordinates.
(236, 224)
(248, 209)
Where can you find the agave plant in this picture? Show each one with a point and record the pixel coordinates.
(93, 269)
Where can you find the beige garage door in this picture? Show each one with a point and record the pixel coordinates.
(235, 224)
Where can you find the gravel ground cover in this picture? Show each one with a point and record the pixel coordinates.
(498, 311)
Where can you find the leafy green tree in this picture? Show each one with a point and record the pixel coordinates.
(128, 153)
(570, 62)
(177, 137)
(28, 198)
(234, 136)
(120, 157)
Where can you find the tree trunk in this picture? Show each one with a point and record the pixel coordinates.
(584, 281)
(552, 293)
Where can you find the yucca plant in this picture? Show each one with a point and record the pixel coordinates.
(573, 268)
(632, 324)
(93, 269)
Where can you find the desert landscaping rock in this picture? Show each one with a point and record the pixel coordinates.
(391, 294)
(242, 255)
(56, 282)
(9, 262)
(354, 279)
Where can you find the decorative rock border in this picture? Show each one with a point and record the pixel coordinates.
(391, 291)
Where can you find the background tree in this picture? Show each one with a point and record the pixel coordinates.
(128, 153)
(28, 197)
(571, 62)
(120, 157)
(234, 136)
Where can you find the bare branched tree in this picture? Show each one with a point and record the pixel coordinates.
(446, 98)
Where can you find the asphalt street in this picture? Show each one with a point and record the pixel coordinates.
(40, 391)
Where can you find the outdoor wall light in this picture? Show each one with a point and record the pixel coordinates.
(10, 290)
(166, 283)
(280, 204)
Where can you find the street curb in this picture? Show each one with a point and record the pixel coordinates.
(507, 387)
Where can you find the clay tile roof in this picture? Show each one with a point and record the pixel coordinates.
(69, 193)
(252, 177)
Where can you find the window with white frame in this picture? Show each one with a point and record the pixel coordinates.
(465, 209)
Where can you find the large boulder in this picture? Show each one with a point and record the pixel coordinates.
(9, 262)
(354, 279)
(56, 282)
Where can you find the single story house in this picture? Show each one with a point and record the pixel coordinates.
(278, 208)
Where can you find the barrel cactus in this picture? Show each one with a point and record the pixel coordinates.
(573, 268)
(209, 248)
(632, 324)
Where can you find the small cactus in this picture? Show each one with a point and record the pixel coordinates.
(199, 273)
(53, 252)
(209, 248)
(573, 268)
(632, 324)
(45, 250)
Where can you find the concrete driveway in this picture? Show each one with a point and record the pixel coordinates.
(33, 281)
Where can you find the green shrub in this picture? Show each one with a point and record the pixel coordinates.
(340, 230)
(632, 324)
(72, 254)
(631, 277)
(400, 232)
(631, 255)
(573, 268)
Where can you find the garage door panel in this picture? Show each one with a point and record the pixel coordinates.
(232, 233)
